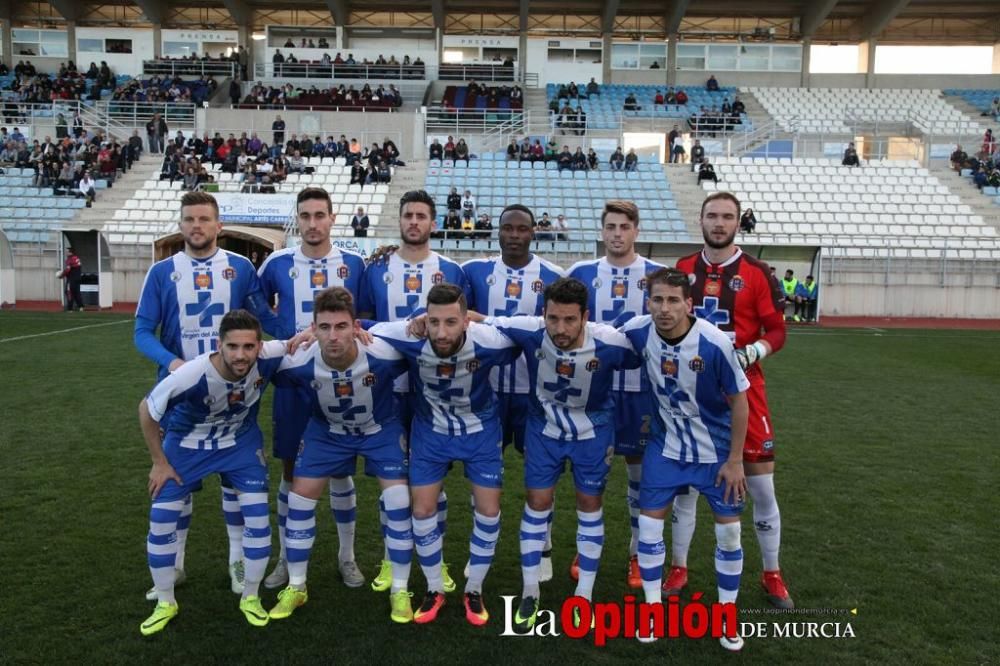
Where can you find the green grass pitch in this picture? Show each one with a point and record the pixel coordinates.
(887, 460)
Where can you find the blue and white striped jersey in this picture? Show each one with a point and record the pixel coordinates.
(616, 295)
(296, 278)
(454, 392)
(355, 401)
(690, 381)
(572, 389)
(206, 411)
(187, 298)
(501, 291)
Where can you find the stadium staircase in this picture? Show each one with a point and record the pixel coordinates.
(969, 194)
(687, 195)
(404, 179)
(113, 199)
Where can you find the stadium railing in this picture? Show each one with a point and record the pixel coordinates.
(189, 67)
(429, 72)
(136, 114)
(440, 118)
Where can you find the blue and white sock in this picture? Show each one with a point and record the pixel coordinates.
(482, 547)
(283, 488)
(682, 526)
(589, 544)
(256, 540)
(766, 518)
(532, 539)
(161, 547)
(634, 476)
(344, 504)
(429, 542)
(300, 535)
(398, 534)
(728, 561)
(234, 523)
(652, 553)
(183, 524)
(442, 514)
(548, 528)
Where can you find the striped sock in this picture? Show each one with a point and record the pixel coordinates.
(344, 503)
(398, 534)
(548, 527)
(428, 540)
(533, 527)
(283, 488)
(589, 544)
(442, 514)
(161, 547)
(256, 540)
(234, 523)
(682, 526)
(300, 535)
(728, 561)
(652, 553)
(482, 547)
(634, 476)
(183, 524)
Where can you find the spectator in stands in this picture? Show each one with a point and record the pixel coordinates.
(537, 151)
(981, 177)
(573, 90)
(630, 103)
(390, 152)
(235, 91)
(360, 223)
(65, 180)
(617, 160)
(544, 231)
(712, 85)
(567, 118)
(658, 99)
(358, 174)
(452, 225)
(384, 172)
(806, 295)
(565, 159)
(562, 229)
(579, 160)
(78, 125)
(958, 158)
(353, 151)
(190, 179)
(462, 151)
(593, 88)
(851, 156)
(672, 138)
(512, 149)
(436, 150)
(631, 160)
(152, 135)
(681, 98)
(739, 108)
(697, 154)
(278, 127)
(87, 187)
(580, 121)
(449, 148)
(62, 128)
(296, 164)
(994, 111)
(468, 206)
(454, 200)
(989, 144)
(483, 226)
(748, 221)
(788, 286)
(707, 172)
(592, 160)
(655, 65)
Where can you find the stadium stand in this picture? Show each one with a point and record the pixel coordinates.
(30, 214)
(981, 99)
(604, 109)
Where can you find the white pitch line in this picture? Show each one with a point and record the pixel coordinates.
(63, 330)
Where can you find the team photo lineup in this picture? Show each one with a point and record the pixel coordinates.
(415, 363)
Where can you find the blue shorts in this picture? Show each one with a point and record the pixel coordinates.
(634, 416)
(241, 468)
(545, 458)
(324, 454)
(513, 410)
(290, 415)
(665, 478)
(431, 455)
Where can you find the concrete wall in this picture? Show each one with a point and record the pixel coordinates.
(793, 79)
(867, 300)
(120, 63)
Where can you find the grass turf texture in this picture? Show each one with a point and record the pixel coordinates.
(887, 463)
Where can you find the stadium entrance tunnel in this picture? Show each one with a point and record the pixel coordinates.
(97, 288)
(244, 240)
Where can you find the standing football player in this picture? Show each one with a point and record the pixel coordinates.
(735, 292)
(617, 286)
(295, 276)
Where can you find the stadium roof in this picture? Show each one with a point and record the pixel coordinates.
(940, 21)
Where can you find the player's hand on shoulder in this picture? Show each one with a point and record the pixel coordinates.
(361, 335)
(175, 364)
(417, 327)
(161, 472)
(381, 254)
(300, 341)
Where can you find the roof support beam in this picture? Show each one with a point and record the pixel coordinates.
(67, 8)
(339, 10)
(879, 16)
(240, 11)
(522, 18)
(153, 10)
(437, 11)
(608, 16)
(814, 15)
(674, 16)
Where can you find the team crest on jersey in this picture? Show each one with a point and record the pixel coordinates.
(619, 287)
(446, 370)
(712, 288)
(538, 286)
(412, 283)
(236, 397)
(437, 278)
(768, 445)
(208, 400)
(315, 385)
(565, 368)
(491, 279)
(293, 272)
(596, 284)
(343, 272)
(369, 380)
(697, 364)
(736, 283)
(175, 277)
(258, 383)
(318, 279)
(513, 289)
(203, 281)
(473, 365)
(592, 365)
(387, 277)
(229, 273)
(668, 367)
(642, 284)
(343, 389)
(539, 354)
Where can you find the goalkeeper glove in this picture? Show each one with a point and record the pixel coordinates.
(751, 354)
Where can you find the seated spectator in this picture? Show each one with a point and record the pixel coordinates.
(994, 111)
(712, 85)
(565, 159)
(250, 184)
(851, 156)
(551, 150)
(989, 143)
(454, 200)
(573, 90)
(390, 152)
(658, 100)
(537, 151)
(958, 158)
(630, 103)
(655, 65)
(579, 160)
(449, 148)
(452, 224)
(681, 98)
(468, 227)
(544, 229)
(483, 226)
(617, 160)
(593, 88)
(739, 108)
(580, 121)
(788, 286)
(512, 149)
(566, 119)
(748, 221)
(296, 163)
(358, 174)
(360, 223)
(707, 172)
(436, 150)
(87, 188)
(384, 172)
(697, 154)
(462, 151)
(562, 229)
(631, 160)
(981, 177)
(468, 206)
(592, 160)
(806, 296)
(190, 179)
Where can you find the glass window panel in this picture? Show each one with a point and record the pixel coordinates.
(90, 45)
(624, 56)
(21, 35)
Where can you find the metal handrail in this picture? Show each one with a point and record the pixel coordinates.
(189, 67)
(441, 118)
(136, 114)
(318, 70)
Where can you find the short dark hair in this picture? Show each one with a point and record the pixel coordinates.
(715, 196)
(314, 193)
(446, 294)
(200, 199)
(333, 299)
(237, 320)
(567, 291)
(670, 277)
(520, 208)
(789, 272)
(418, 196)
(622, 207)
